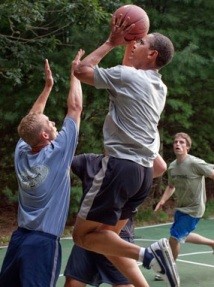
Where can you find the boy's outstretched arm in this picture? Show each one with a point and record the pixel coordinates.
(40, 103)
(74, 100)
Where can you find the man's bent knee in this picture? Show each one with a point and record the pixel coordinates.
(82, 229)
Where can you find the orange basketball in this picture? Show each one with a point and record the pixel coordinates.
(138, 17)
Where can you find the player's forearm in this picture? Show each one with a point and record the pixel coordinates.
(40, 103)
(74, 100)
(84, 71)
(167, 193)
(97, 55)
(212, 175)
(159, 166)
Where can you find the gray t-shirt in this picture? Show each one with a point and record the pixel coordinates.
(188, 178)
(137, 98)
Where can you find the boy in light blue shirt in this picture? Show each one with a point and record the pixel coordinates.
(42, 162)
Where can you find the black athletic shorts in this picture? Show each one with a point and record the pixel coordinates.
(92, 268)
(118, 189)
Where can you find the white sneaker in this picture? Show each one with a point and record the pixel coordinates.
(159, 257)
(158, 277)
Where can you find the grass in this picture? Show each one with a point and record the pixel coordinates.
(209, 212)
(4, 240)
(146, 214)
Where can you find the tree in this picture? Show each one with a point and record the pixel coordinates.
(31, 31)
(190, 103)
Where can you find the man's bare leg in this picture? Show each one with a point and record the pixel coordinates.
(70, 282)
(99, 238)
(104, 239)
(175, 247)
(130, 269)
(199, 239)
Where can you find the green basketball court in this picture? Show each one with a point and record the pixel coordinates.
(195, 262)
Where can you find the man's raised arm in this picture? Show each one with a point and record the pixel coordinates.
(40, 103)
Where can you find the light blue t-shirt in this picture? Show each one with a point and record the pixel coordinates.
(44, 181)
(137, 98)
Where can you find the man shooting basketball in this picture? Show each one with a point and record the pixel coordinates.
(137, 98)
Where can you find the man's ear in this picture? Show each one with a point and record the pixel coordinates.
(44, 135)
(153, 54)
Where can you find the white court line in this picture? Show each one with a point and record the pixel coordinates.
(66, 238)
(158, 225)
(155, 225)
(180, 260)
(138, 239)
(147, 239)
(3, 247)
(195, 263)
(194, 253)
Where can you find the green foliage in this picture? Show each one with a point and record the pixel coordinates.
(31, 31)
(11, 197)
(4, 240)
(76, 194)
(146, 215)
(190, 104)
(209, 212)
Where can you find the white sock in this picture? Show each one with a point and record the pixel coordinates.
(141, 254)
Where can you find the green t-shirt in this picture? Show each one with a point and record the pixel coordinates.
(188, 178)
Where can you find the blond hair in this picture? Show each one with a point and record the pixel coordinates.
(30, 128)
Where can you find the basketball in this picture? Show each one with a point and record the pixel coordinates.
(138, 17)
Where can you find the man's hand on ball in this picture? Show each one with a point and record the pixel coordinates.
(120, 28)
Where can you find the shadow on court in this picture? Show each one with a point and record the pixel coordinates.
(195, 262)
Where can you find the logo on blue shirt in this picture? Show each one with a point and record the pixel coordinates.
(34, 177)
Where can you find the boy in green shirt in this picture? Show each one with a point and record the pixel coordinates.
(186, 179)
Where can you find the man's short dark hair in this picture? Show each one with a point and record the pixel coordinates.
(163, 45)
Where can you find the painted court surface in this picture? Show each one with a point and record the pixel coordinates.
(195, 262)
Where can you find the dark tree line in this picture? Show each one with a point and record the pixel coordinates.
(31, 31)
